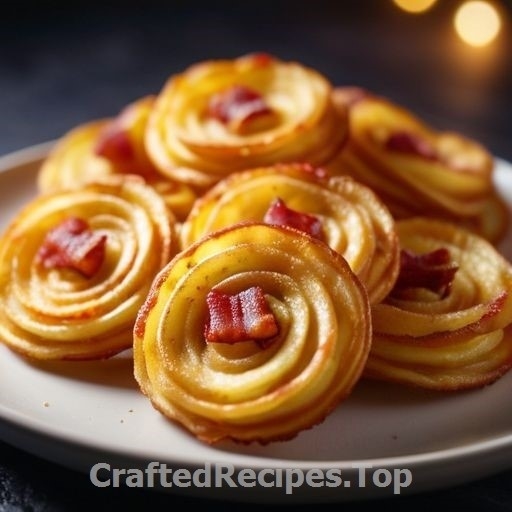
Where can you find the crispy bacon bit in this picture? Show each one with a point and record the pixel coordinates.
(240, 317)
(237, 106)
(72, 245)
(434, 271)
(407, 142)
(260, 59)
(278, 213)
(114, 143)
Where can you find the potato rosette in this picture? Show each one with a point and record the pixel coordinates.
(221, 116)
(346, 215)
(73, 159)
(111, 146)
(76, 266)
(254, 333)
(417, 170)
(447, 323)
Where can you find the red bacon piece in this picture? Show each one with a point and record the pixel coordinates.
(240, 317)
(433, 271)
(260, 59)
(278, 213)
(238, 105)
(407, 142)
(73, 245)
(114, 143)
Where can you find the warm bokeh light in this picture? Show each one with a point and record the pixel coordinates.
(415, 6)
(477, 23)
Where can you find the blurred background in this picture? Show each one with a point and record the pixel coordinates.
(62, 64)
(65, 63)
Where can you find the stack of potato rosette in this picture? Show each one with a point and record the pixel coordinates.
(262, 240)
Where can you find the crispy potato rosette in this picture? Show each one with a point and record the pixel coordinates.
(254, 333)
(111, 146)
(447, 323)
(76, 266)
(346, 215)
(222, 116)
(417, 170)
(73, 159)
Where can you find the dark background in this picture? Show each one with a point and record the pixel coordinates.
(62, 65)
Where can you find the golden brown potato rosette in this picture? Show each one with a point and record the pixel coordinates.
(73, 159)
(221, 116)
(111, 146)
(254, 333)
(447, 323)
(417, 170)
(346, 215)
(76, 265)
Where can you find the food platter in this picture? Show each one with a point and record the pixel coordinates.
(79, 414)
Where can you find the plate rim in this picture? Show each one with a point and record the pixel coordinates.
(493, 446)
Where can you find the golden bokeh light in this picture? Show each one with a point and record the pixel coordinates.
(415, 6)
(477, 22)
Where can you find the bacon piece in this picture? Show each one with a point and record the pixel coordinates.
(407, 142)
(278, 213)
(260, 59)
(240, 317)
(114, 143)
(433, 271)
(237, 106)
(73, 245)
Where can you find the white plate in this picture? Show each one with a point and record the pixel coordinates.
(81, 413)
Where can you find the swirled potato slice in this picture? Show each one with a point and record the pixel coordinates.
(76, 265)
(349, 217)
(447, 323)
(254, 333)
(228, 115)
(73, 159)
(415, 169)
(111, 146)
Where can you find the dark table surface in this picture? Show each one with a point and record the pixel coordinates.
(63, 66)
